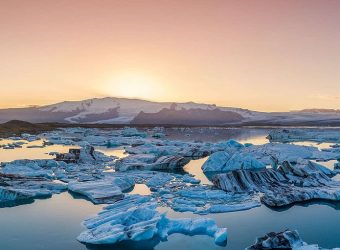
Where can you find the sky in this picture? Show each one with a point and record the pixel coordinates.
(258, 54)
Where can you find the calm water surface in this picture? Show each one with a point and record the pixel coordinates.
(55, 223)
(27, 152)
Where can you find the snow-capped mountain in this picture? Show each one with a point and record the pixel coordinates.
(135, 111)
(122, 110)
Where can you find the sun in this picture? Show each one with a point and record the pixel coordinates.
(133, 85)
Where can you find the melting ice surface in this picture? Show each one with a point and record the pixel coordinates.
(56, 222)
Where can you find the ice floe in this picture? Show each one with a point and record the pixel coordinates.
(205, 200)
(135, 218)
(15, 188)
(287, 239)
(295, 135)
(31, 168)
(223, 161)
(150, 162)
(242, 180)
(237, 156)
(281, 152)
(106, 190)
(282, 186)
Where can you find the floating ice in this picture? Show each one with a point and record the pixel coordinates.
(295, 135)
(150, 162)
(283, 240)
(223, 161)
(136, 218)
(281, 152)
(129, 132)
(106, 190)
(283, 186)
(30, 168)
(17, 188)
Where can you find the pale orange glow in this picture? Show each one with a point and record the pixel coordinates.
(262, 54)
(132, 85)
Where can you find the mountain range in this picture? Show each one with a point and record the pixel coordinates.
(111, 110)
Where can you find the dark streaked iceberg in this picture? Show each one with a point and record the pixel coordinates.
(283, 240)
(15, 188)
(283, 186)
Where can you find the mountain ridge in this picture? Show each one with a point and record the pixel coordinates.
(114, 110)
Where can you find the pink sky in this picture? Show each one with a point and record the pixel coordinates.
(263, 55)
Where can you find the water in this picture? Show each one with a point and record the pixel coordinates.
(117, 152)
(319, 145)
(45, 224)
(243, 135)
(26, 152)
(194, 168)
(55, 223)
(141, 189)
(245, 226)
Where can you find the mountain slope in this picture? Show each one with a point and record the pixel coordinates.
(104, 110)
(125, 111)
(195, 116)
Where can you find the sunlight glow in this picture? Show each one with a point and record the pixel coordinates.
(132, 85)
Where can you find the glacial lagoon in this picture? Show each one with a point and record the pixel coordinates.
(55, 223)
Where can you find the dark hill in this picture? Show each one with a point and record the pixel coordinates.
(188, 117)
(16, 127)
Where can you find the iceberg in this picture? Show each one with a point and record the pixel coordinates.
(205, 200)
(283, 240)
(281, 152)
(282, 186)
(260, 156)
(223, 161)
(31, 168)
(151, 162)
(186, 195)
(15, 188)
(296, 135)
(131, 132)
(135, 218)
(105, 190)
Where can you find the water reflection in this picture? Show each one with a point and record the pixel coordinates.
(31, 151)
(45, 224)
(141, 189)
(194, 168)
(55, 223)
(256, 140)
(116, 152)
(128, 245)
(337, 177)
(16, 203)
(333, 204)
(319, 145)
(327, 164)
(249, 135)
(245, 226)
